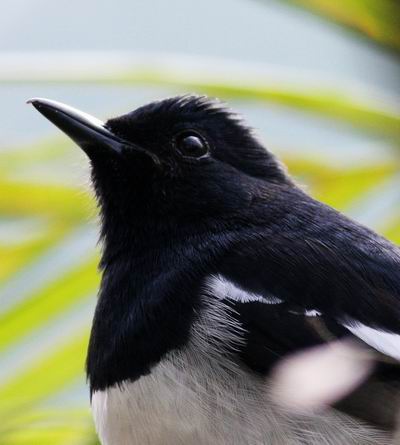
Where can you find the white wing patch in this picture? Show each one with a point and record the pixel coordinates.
(384, 342)
(312, 313)
(222, 288)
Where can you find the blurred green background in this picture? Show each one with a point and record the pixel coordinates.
(319, 79)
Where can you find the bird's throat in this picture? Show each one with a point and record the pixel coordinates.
(136, 321)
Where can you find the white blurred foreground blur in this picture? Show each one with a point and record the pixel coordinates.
(316, 378)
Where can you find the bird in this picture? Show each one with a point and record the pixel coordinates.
(216, 267)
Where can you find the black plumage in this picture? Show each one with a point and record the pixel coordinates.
(186, 191)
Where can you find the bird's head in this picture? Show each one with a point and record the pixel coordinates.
(179, 161)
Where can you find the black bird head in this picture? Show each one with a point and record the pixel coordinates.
(173, 179)
(176, 161)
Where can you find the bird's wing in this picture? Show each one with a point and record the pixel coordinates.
(275, 330)
(318, 260)
(350, 285)
(300, 273)
(385, 342)
(288, 327)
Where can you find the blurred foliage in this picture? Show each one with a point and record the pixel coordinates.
(60, 211)
(319, 100)
(377, 20)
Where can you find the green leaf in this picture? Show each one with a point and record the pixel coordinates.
(57, 297)
(377, 20)
(339, 187)
(14, 257)
(67, 204)
(44, 378)
(230, 82)
(56, 426)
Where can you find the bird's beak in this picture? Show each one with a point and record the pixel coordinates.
(86, 131)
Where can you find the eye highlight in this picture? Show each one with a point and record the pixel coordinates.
(190, 144)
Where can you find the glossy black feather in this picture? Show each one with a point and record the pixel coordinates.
(169, 225)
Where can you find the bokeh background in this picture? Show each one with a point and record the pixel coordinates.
(319, 79)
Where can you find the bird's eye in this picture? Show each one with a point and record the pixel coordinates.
(191, 144)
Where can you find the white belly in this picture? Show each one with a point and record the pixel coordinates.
(174, 406)
(197, 396)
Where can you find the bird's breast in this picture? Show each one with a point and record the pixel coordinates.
(195, 395)
(201, 394)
